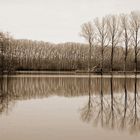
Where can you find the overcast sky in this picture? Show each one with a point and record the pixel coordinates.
(56, 20)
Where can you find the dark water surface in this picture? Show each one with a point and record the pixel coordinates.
(49, 107)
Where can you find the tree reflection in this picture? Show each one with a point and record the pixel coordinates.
(135, 110)
(123, 120)
(7, 98)
(87, 110)
(117, 110)
(112, 103)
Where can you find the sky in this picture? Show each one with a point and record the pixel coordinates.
(56, 21)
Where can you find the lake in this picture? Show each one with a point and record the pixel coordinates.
(69, 107)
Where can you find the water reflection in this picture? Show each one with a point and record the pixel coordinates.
(115, 110)
(7, 97)
(112, 103)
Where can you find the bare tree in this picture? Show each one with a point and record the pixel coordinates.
(89, 34)
(126, 36)
(114, 34)
(1, 53)
(4, 43)
(135, 30)
(102, 37)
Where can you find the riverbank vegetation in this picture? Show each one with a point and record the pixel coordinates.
(113, 44)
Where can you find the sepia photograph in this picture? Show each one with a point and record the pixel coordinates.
(69, 69)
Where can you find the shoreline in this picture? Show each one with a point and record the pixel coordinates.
(70, 74)
(74, 72)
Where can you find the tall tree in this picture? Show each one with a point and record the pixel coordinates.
(135, 30)
(102, 37)
(114, 34)
(89, 34)
(4, 42)
(126, 36)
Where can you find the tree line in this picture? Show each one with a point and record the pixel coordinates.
(114, 31)
(113, 44)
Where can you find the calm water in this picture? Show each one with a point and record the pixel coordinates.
(69, 108)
